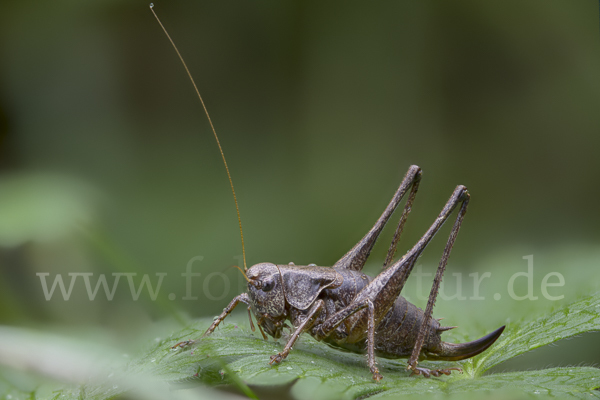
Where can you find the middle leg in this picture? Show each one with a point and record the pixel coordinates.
(329, 326)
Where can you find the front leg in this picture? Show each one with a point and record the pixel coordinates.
(226, 311)
(313, 312)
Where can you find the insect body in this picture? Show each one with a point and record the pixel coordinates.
(348, 309)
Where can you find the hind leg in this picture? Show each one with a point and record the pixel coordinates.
(460, 195)
(357, 256)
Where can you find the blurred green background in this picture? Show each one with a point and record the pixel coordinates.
(107, 163)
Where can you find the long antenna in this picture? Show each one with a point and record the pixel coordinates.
(237, 208)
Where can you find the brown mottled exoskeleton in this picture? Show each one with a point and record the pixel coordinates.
(348, 309)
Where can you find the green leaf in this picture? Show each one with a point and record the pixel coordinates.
(235, 356)
(574, 319)
(554, 382)
(90, 370)
(317, 371)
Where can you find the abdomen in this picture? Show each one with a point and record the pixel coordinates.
(396, 334)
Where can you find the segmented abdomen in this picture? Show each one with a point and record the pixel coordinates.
(396, 334)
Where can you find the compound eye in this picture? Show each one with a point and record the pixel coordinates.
(268, 285)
